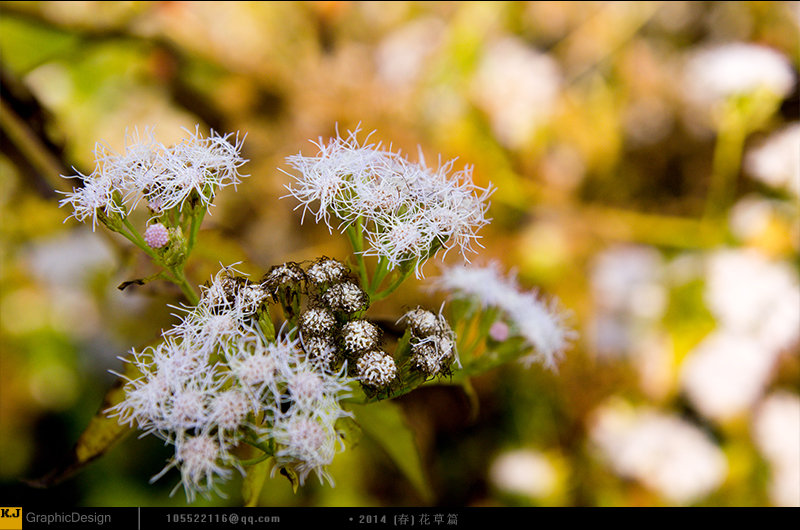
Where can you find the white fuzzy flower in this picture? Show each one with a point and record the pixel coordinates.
(229, 409)
(196, 164)
(308, 441)
(309, 386)
(206, 328)
(200, 459)
(408, 210)
(258, 367)
(539, 323)
(98, 194)
(166, 177)
(145, 396)
(215, 379)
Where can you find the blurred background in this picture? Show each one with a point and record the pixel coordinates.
(647, 163)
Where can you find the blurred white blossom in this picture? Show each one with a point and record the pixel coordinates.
(726, 374)
(751, 294)
(751, 216)
(776, 161)
(662, 451)
(518, 87)
(628, 292)
(776, 429)
(402, 55)
(524, 472)
(715, 73)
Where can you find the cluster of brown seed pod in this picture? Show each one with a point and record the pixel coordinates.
(326, 304)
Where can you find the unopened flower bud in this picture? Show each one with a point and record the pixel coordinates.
(376, 369)
(499, 331)
(317, 322)
(347, 297)
(156, 235)
(360, 336)
(327, 270)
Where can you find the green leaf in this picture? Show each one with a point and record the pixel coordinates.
(100, 435)
(349, 430)
(384, 423)
(254, 482)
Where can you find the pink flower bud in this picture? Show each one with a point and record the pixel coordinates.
(499, 331)
(156, 236)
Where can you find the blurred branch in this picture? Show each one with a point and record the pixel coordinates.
(652, 229)
(642, 13)
(31, 146)
(172, 58)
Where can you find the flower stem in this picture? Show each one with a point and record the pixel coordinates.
(186, 287)
(726, 162)
(356, 235)
(406, 271)
(381, 270)
(197, 219)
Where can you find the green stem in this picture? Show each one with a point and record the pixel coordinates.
(178, 276)
(186, 287)
(726, 163)
(406, 270)
(197, 220)
(381, 270)
(356, 235)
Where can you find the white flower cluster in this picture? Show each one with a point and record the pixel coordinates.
(408, 211)
(756, 303)
(165, 176)
(664, 452)
(215, 381)
(538, 323)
